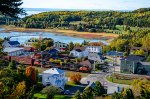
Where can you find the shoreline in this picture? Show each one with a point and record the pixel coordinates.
(87, 35)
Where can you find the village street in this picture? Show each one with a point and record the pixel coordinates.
(98, 76)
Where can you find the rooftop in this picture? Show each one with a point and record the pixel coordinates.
(145, 63)
(54, 71)
(134, 58)
(12, 49)
(114, 53)
(13, 42)
(79, 49)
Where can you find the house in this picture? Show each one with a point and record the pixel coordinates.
(49, 53)
(129, 64)
(60, 46)
(27, 60)
(143, 68)
(79, 52)
(29, 42)
(94, 49)
(115, 56)
(11, 44)
(52, 52)
(55, 77)
(13, 51)
(86, 65)
(96, 57)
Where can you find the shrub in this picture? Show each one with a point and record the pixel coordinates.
(75, 77)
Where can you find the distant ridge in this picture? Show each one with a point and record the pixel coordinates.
(57, 9)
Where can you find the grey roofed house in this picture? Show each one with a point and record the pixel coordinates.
(87, 63)
(96, 57)
(129, 64)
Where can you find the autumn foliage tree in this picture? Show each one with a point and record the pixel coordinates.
(31, 73)
(19, 91)
(75, 77)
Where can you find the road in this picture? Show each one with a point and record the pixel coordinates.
(100, 76)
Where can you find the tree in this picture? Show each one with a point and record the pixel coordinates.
(20, 90)
(77, 95)
(98, 89)
(11, 7)
(127, 94)
(70, 46)
(31, 74)
(12, 64)
(36, 45)
(75, 77)
(148, 59)
(51, 91)
(117, 95)
(141, 88)
(87, 93)
(139, 52)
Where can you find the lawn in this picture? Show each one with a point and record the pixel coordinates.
(43, 96)
(67, 72)
(119, 81)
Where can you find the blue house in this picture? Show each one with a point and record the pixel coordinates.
(51, 52)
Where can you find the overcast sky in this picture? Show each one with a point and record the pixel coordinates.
(87, 4)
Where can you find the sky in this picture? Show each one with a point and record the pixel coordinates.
(87, 4)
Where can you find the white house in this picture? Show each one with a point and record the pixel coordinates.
(13, 51)
(94, 49)
(29, 42)
(10, 43)
(60, 46)
(55, 77)
(79, 52)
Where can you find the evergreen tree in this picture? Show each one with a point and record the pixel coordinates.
(70, 47)
(11, 7)
(98, 89)
(77, 95)
(87, 93)
(12, 65)
(127, 94)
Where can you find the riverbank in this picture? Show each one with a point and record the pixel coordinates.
(87, 35)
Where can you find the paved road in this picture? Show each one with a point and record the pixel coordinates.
(100, 76)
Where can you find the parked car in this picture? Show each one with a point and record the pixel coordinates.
(84, 69)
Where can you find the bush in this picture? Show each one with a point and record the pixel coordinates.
(39, 86)
(51, 91)
(75, 77)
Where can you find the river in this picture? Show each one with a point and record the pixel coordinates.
(22, 37)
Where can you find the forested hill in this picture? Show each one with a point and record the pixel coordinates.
(92, 21)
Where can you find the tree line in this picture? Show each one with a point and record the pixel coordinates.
(90, 21)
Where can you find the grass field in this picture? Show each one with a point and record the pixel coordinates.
(67, 72)
(43, 96)
(119, 81)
